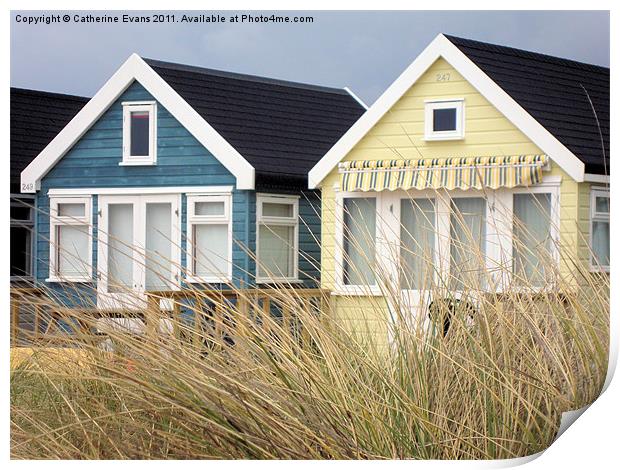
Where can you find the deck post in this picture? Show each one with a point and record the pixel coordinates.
(14, 320)
(151, 317)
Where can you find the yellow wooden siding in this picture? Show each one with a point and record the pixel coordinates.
(400, 134)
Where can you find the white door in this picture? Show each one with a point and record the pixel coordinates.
(438, 243)
(138, 248)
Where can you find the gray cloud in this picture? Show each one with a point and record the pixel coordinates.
(365, 51)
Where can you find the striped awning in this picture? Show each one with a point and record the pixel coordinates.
(447, 173)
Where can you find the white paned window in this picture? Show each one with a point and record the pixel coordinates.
(277, 230)
(599, 229)
(468, 232)
(359, 241)
(209, 232)
(70, 239)
(531, 237)
(417, 243)
(444, 119)
(139, 133)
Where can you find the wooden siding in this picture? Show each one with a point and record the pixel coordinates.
(400, 134)
(181, 161)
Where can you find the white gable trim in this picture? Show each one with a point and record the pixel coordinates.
(135, 68)
(442, 47)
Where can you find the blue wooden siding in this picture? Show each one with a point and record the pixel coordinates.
(309, 238)
(181, 161)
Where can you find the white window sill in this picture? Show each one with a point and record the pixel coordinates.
(281, 281)
(69, 279)
(599, 269)
(358, 291)
(137, 163)
(432, 138)
(207, 280)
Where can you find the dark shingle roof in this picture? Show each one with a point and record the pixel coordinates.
(36, 118)
(551, 89)
(281, 128)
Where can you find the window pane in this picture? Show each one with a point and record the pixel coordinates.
(120, 243)
(71, 210)
(602, 204)
(20, 212)
(417, 236)
(73, 250)
(271, 209)
(276, 251)
(158, 246)
(359, 241)
(531, 236)
(444, 119)
(467, 242)
(139, 133)
(211, 251)
(20, 251)
(209, 208)
(600, 243)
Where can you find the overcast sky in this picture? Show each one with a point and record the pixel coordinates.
(365, 51)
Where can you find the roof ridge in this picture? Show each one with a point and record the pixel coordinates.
(242, 76)
(473, 42)
(48, 93)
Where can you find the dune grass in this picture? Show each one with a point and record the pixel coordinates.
(238, 384)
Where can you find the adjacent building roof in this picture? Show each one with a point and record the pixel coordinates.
(281, 128)
(36, 118)
(570, 99)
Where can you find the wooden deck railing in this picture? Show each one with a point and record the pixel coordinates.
(222, 310)
(34, 316)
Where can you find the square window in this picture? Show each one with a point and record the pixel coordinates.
(444, 119)
(602, 204)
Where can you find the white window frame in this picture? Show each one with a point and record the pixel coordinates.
(505, 198)
(597, 217)
(341, 287)
(58, 221)
(292, 221)
(498, 231)
(193, 220)
(139, 106)
(432, 105)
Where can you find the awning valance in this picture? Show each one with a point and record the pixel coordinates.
(447, 173)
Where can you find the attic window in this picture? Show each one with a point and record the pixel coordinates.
(444, 119)
(139, 133)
